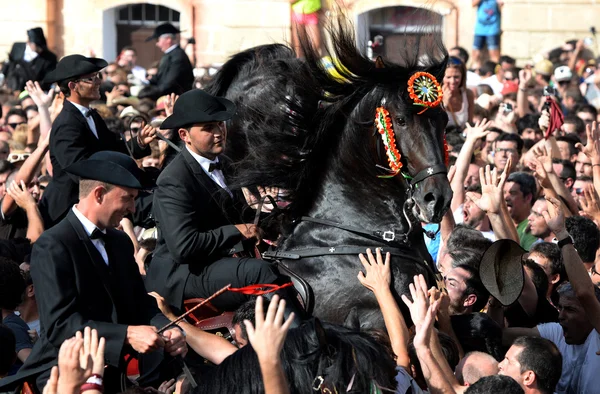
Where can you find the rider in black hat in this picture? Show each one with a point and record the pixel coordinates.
(85, 275)
(30, 61)
(78, 132)
(175, 72)
(199, 218)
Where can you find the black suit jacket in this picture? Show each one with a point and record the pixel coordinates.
(196, 226)
(75, 288)
(18, 71)
(71, 140)
(175, 73)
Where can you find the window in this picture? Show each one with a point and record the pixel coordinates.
(146, 15)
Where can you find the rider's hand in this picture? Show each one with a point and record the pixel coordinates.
(248, 230)
(144, 339)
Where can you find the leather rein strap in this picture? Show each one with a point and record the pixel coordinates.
(388, 236)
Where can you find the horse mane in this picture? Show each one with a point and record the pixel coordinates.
(336, 353)
(242, 64)
(295, 127)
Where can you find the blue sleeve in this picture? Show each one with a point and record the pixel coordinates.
(19, 328)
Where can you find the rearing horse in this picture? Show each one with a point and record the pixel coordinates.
(312, 133)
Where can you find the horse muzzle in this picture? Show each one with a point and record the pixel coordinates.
(432, 196)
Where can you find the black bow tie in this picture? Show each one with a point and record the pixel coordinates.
(97, 234)
(214, 166)
(90, 112)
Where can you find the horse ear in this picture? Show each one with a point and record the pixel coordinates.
(379, 62)
(352, 320)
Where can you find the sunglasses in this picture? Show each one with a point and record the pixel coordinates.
(15, 157)
(94, 78)
(135, 129)
(579, 191)
(15, 125)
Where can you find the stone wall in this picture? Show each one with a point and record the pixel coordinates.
(223, 27)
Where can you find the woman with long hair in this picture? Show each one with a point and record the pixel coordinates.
(458, 100)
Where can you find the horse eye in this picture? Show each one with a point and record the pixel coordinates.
(401, 122)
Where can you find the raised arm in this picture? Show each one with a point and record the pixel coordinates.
(592, 150)
(43, 102)
(522, 102)
(474, 136)
(423, 315)
(377, 279)
(578, 275)
(26, 173)
(21, 196)
(493, 203)
(555, 187)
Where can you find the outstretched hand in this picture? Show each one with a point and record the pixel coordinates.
(146, 136)
(420, 300)
(38, 96)
(378, 274)
(170, 103)
(479, 130)
(268, 336)
(492, 189)
(92, 354)
(554, 216)
(592, 147)
(20, 193)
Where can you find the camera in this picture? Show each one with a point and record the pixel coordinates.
(549, 91)
(507, 107)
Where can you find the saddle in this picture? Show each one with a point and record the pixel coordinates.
(210, 318)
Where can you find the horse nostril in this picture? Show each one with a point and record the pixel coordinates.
(429, 197)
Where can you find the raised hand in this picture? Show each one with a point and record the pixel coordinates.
(92, 354)
(20, 193)
(38, 96)
(554, 216)
(480, 130)
(112, 95)
(544, 157)
(492, 189)
(170, 103)
(424, 330)
(524, 77)
(420, 300)
(51, 386)
(592, 147)
(539, 172)
(590, 203)
(378, 274)
(268, 336)
(163, 306)
(146, 136)
(71, 372)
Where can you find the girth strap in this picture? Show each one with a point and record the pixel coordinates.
(388, 236)
(427, 172)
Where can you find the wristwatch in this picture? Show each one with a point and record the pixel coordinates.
(565, 241)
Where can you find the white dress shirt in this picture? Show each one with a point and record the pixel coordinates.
(216, 175)
(84, 111)
(89, 228)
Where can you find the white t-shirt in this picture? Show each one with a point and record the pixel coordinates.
(458, 219)
(581, 365)
(493, 82)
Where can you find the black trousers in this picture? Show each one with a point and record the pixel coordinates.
(238, 272)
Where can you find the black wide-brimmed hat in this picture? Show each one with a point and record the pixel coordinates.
(165, 28)
(197, 106)
(73, 66)
(36, 35)
(111, 167)
(501, 270)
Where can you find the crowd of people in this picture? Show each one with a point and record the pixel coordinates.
(95, 267)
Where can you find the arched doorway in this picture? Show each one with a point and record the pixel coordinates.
(131, 24)
(386, 30)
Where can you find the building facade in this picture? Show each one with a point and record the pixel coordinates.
(223, 27)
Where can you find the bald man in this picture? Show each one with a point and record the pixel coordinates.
(474, 366)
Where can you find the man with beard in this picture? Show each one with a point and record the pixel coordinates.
(78, 132)
(577, 333)
(537, 224)
(519, 193)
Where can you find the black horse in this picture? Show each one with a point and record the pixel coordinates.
(311, 133)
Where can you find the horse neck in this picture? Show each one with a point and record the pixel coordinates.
(350, 202)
